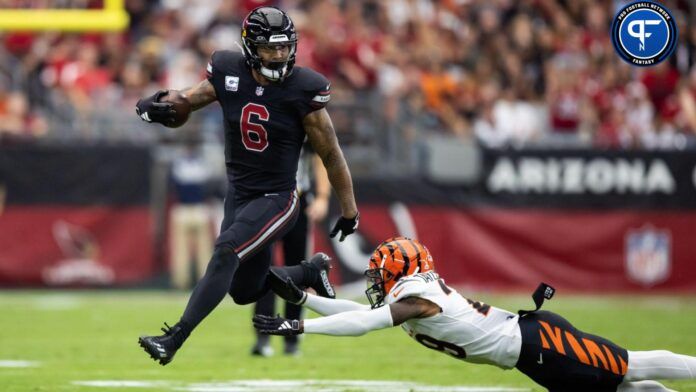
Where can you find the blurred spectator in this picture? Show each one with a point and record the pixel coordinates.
(506, 72)
(17, 120)
(191, 233)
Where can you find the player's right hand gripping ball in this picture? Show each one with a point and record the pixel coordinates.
(168, 108)
(345, 226)
(269, 325)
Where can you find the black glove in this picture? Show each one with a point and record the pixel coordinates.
(151, 110)
(345, 226)
(287, 290)
(269, 325)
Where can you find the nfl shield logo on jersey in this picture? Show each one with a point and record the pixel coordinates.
(259, 91)
(648, 255)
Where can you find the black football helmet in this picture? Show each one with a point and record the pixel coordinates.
(269, 26)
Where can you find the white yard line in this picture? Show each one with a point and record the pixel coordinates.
(57, 302)
(124, 384)
(293, 385)
(14, 363)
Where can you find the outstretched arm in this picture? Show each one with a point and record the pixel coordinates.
(351, 323)
(324, 306)
(329, 306)
(322, 136)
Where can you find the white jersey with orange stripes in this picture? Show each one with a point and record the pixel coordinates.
(464, 329)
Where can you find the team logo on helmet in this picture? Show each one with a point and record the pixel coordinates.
(644, 33)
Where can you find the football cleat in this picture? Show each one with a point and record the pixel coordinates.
(262, 350)
(320, 264)
(162, 348)
(262, 347)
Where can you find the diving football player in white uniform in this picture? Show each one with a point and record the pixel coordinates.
(540, 344)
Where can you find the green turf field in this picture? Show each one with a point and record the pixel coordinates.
(87, 341)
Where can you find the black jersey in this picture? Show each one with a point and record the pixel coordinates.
(263, 124)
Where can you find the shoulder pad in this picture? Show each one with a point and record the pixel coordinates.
(407, 287)
(312, 81)
(225, 61)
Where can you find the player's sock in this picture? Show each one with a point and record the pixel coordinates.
(212, 287)
(659, 365)
(266, 304)
(292, 312)
(299, 274)
(312, 273)
(307, 273)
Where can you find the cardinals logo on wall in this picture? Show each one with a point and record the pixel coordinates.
(80, 264)
(648, 256)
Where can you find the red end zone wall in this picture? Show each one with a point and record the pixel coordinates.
(64, 246)
(512, 249)
(591, 221)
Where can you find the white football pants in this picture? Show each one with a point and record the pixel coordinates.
(645, 366)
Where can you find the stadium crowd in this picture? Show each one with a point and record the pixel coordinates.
(506, 72)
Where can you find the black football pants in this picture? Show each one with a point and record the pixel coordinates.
(242, 255)
(564, 359)
(294, 251)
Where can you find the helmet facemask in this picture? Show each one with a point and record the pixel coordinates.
(275, 71)
(376, 292)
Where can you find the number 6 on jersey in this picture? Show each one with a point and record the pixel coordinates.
(254, 135)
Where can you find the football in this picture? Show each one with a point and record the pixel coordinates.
(181, 106)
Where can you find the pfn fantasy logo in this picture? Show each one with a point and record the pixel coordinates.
(644, 33)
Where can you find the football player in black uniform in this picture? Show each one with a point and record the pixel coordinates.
(269, 107)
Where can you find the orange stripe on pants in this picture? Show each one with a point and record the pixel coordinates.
(555, 335)
(612, 361)
(577, 348)
(595, 353)
(624, 367)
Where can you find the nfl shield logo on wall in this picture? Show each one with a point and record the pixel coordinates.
(648, 255)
